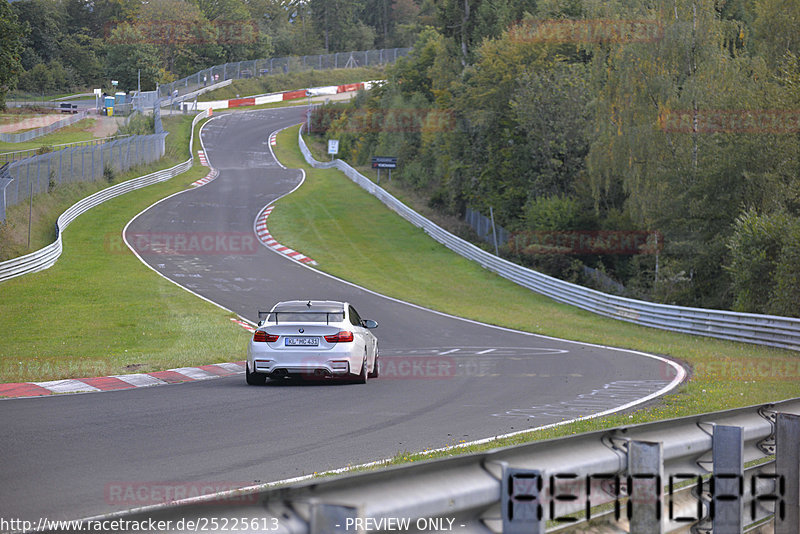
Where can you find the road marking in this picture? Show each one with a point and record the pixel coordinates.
(487, 351)
(586, 404)
(448, 352)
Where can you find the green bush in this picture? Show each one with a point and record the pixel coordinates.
(786, 293)
(765, 263)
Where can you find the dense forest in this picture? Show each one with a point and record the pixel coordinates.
(51, 46)
(568, 120)
(662, 136)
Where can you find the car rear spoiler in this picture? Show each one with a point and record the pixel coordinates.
(262, 314)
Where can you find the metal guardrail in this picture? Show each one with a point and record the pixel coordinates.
(771, 330)
(712, 471)
(38, 132)
(47, 256)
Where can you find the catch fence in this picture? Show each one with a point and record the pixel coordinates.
(278, 65)
(43, 173)
(486, 228)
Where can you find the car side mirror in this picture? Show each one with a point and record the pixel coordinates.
(369, 323)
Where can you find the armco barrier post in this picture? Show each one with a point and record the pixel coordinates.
(645, 487)
(329, 518)
(727, 482)
(787, 467)
(521, 500)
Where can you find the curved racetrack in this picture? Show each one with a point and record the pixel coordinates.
(446, 380)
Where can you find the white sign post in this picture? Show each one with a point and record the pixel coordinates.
(333, 147)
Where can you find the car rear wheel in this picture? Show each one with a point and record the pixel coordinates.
(374, 373)
(255, 379)
(364, 374)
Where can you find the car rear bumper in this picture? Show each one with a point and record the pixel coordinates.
(303, 363)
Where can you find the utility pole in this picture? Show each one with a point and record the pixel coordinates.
(30, 212)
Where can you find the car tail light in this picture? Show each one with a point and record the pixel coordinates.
(263, 337)
(342, 337)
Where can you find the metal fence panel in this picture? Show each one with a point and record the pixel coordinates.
(483, 227)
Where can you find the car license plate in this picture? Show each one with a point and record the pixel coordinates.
(302, 341)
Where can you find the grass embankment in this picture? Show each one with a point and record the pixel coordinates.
(99, 311)
(293, 80)
(80, 131)
(377, 249)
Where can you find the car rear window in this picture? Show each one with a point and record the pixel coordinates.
(306, 317)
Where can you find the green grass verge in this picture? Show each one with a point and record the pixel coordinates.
(377, 249)
(99, 311)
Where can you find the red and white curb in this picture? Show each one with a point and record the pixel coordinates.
(246, 326)
(209, 178)
(286, 95)
(268, 241)
(117, 382)
(273, 139)
(202, 156)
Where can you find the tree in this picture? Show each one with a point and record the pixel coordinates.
(469, 22)
(552, 108)
(11, 35)
(342, 31)
(80, 53)
(185, 39)
(44, 19)
(128, 53)
(764, 263)
(776, 29)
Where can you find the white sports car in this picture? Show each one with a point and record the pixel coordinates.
(322, 339)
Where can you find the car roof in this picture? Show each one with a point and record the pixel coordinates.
(325, 306)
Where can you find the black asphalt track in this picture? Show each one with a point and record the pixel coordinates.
(445, 380)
